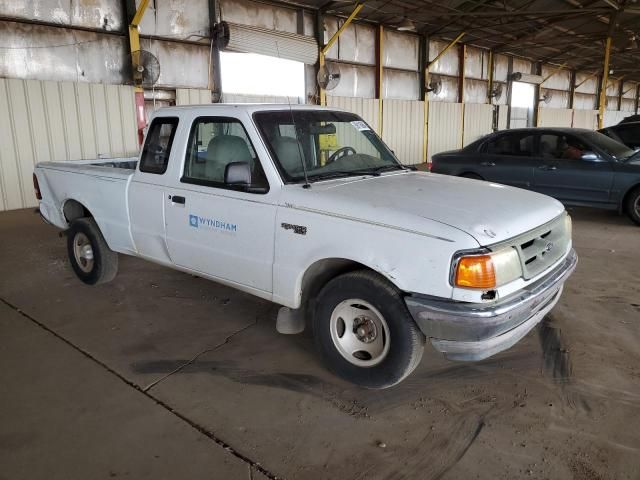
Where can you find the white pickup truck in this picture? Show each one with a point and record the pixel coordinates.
(307, 207)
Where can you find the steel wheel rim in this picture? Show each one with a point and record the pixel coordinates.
(83, 252)
(359, 332)
(636, 205)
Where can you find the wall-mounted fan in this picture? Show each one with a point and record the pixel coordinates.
(328, 76)
(146, 68)
(546, 96)
(435, 84)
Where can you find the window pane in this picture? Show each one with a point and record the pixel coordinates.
(214, 143)
(561, 147)
(519, 145)
(157, 147)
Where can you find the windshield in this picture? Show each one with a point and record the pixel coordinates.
(617, 150)
(328, 144)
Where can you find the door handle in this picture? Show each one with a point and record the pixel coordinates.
(177, 199)
(548, 167)
(488, 164)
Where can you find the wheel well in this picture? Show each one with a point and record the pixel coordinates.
(623, 205)
(73, 209)
(319, 273)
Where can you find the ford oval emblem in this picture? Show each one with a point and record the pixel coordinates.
(548, 247)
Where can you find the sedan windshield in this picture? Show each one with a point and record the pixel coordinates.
(612, 147)
(326, 144)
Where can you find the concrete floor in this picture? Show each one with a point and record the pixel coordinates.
(163, 375)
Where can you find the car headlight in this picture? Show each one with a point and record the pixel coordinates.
(486, 271)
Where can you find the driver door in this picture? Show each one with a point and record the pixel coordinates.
(564, 173)
(213, 228)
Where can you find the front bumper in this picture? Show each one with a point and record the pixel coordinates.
(468, 332)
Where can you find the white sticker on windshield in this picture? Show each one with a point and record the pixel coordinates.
(360, 125)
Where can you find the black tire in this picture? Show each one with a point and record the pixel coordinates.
(406, 341)
(475, 176)
(104, 266)
(632, 206)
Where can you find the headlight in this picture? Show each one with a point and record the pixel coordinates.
(487, 271)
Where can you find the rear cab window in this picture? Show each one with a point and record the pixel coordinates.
(157, 145)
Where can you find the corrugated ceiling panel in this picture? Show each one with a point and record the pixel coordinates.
(403, 129)
(585, 119)
(478, 121)
(555, 117)
(44, 121)
(445, 122)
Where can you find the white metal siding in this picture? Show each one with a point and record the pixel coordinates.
(403, 129)
(503, 115)
(613, 117)
(43, 121)
(555, 117)
(444, 127)
(192, 96)
(245, 98)
(585, 119)
(478, 121)
(367, 108)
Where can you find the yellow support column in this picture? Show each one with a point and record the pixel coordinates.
(332, 40)
(603, 84)
(380, 76)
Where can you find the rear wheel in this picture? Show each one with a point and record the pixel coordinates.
(364, 331)
(632, 206)
(91, 258)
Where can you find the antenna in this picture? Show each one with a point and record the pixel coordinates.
(295, 129)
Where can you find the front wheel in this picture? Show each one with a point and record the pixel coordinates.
(633, 205)
(364, 331)
(91, 258)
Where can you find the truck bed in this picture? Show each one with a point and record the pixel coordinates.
(99, 184)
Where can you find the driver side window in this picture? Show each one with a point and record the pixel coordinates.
(214, 143)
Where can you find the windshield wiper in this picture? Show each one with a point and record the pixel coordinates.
(355, 173)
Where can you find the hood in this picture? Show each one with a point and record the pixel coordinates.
(489, 212)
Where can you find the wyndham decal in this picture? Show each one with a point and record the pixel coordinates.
(196, 221)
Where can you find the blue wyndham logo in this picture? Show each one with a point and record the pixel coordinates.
(197, 221)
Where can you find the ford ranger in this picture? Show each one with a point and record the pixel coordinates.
(308, 208)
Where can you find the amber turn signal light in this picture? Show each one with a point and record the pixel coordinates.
(476, 272)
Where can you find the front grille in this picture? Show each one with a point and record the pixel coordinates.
(542, 247)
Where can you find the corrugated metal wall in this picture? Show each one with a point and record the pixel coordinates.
(192, 96)
(585, 119)
(242, 98)
(403, 129)
(367, 108)
(43, 120)
(612, 118)
(444, 127)
(555, 117)
(478, 121)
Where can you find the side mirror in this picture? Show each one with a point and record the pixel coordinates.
(238, 174)
(590, 156)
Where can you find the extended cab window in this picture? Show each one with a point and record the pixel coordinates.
(157, 147)
(214, 143)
